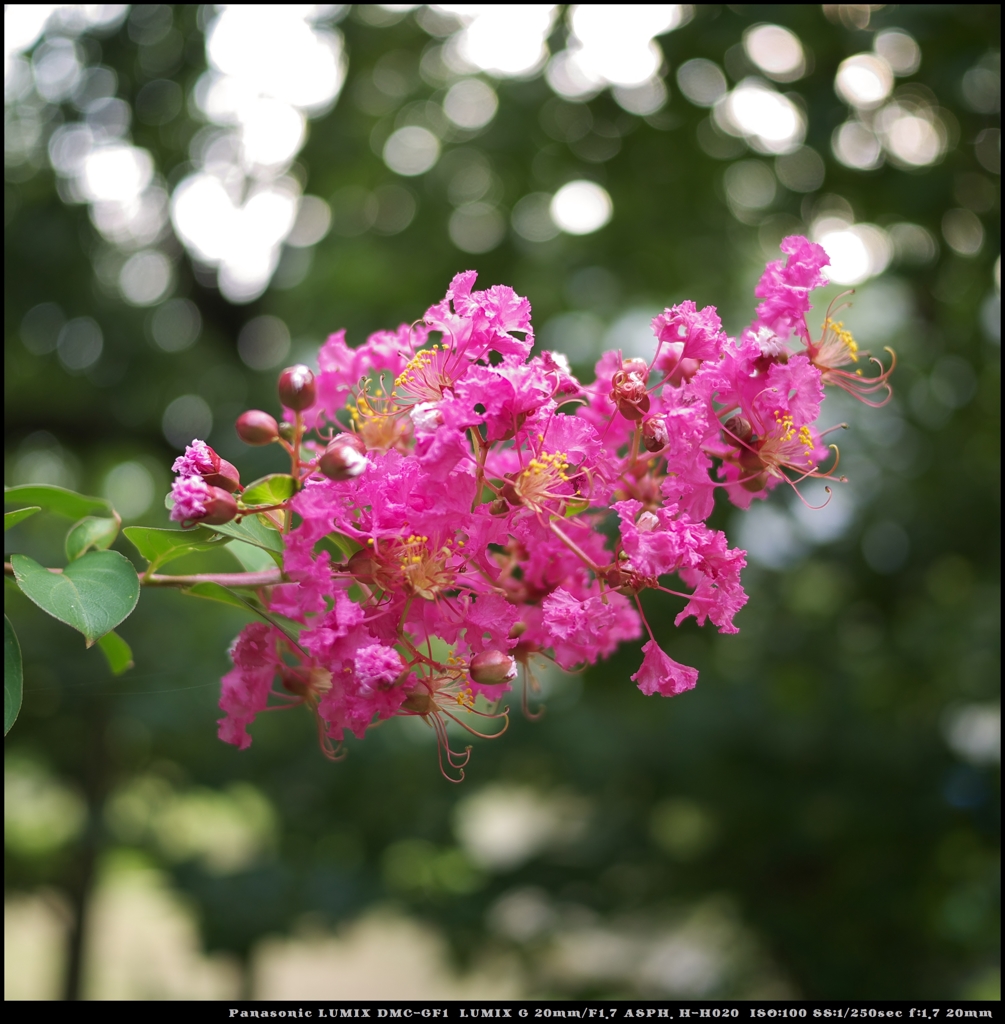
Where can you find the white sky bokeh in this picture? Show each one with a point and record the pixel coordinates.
(271, 67)
(857, 251)
(899, 123)
(506, 40)
(768, 120)
(613, 45)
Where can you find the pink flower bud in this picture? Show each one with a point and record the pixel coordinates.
(636, 367)
(257, 427)
(226, 477)
(738, 429)
(362, 566)
(354, 441)
(753, 469)
(491, 667)
(199, 460)
(220, 508)
(632, 410)
(655, 435)
(196, 501)
(296, 387)
(628, 390)
(342, 459)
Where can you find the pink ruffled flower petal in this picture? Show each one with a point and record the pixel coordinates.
(659, 673)
(190, 495)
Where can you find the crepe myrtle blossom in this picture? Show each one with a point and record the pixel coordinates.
(460, 508)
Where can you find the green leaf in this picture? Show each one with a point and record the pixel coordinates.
(91, 532)
(269, 490)
(575, 507)
(252, 559)
(159, 547)
(254, 530)
(93, 594)
(56, 499)
(117, 651)
(13, 678)
(216, 592)
(346, 545)
(13, 518)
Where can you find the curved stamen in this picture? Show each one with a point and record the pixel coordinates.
(475, 732)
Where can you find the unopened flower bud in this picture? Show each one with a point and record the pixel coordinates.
(220, 507)
(492, 667)
(738, 428)
(286, 431)
(510, 494)
(637, 367)
(257, 427)
(655, 435)
(296, 387)
(226, 476)
(342, 459)
(628, 391)
(354, 441)
(420, 702)
(755, 484)
(634, 410)
(754, 476)
(361, 565)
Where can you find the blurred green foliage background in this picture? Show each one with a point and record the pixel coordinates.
(820, 816)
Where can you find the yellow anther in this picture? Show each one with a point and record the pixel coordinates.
(844, 336)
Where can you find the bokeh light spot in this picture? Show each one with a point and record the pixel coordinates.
(80, 344)
(855, 145)
(531, 218)
(899, 49)
(864, 81)
(40, 328)
(396, 208)
(857, 252)
(802, 170)
(186, 418)
(702, 82)
(769, 121)
(476, 228)
(263, 342)
(175, 325)
(581, 207)
(411, 151)
(750, 184)
(776, 51)
(314, 218)
(470, 103)
(963, 231)
(129, 486)
(145, 278)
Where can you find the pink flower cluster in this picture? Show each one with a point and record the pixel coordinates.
(449, 531)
